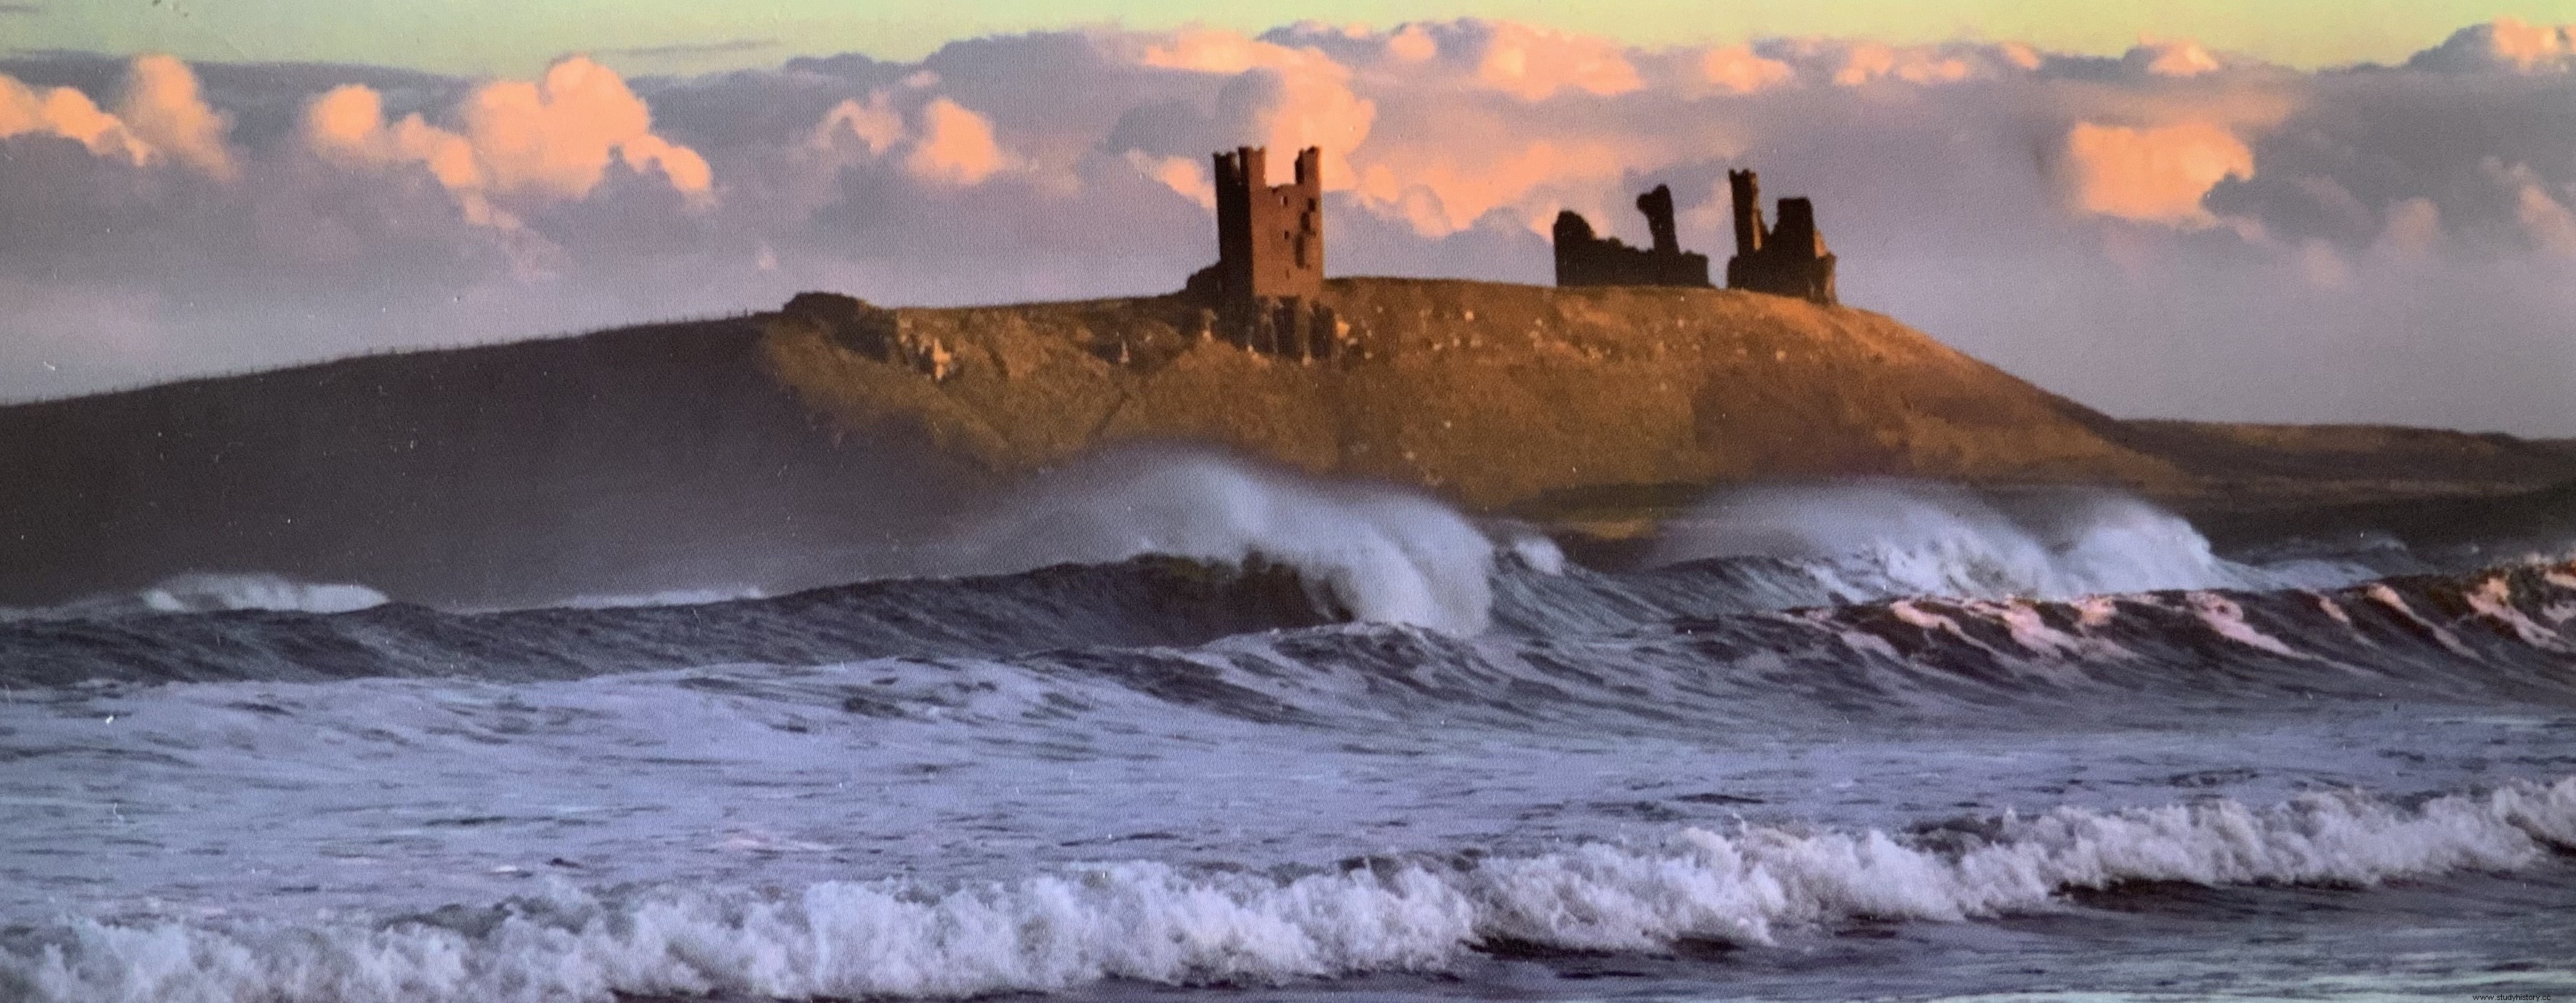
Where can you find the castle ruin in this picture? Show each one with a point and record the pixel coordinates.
(1787, 260)
(1583, 259)
(1267, 285)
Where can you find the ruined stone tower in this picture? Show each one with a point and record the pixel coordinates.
(1583, 259)
(1269, 274)
(1269, 238)
(1787, 260)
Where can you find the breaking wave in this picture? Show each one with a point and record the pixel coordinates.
(1675, 648)
(668, 597)
(1160, 923)
(215, 593)
(1380, 553)
(1885, 538)
(1147, 601)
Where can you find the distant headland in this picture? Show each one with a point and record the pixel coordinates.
(751, 448)
(1633, 378)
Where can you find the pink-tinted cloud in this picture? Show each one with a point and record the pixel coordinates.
(1858, 62)
(2545, 220)
(163, 116)
(62, 111)
(549, 139)
(1412, 44)
(945, 144)
(2507, 44)
(1302, 96)
(557, 135)
(346, 126)
(1739, 69)
(165, 109)
(1439, 189)
(956, 145)
(1532, 63)
(1181, 174)
(2328, 210)
(2156, 174)
(874, 124)
(2179, 58)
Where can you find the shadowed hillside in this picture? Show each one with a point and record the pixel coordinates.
(614, 462)
(779, 450)
(2251, 467)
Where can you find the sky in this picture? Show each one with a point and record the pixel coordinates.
(2271, 212)
(485, 37)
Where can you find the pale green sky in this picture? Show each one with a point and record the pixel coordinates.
(515, 36)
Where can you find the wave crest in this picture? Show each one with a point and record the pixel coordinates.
(1155, 922)
(1383, 554)
(1882, 538)
(207, 592)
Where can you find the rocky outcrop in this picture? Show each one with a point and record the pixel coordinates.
(879, 334)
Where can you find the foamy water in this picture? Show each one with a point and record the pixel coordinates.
(1157, 922)
(1381, 553)
(215, 593)
(1905, 742)
(1892, 537)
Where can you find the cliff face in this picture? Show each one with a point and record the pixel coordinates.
(1501, 396)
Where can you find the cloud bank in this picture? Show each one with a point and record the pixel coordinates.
(163, 117)
(2171, 231)
(552, 139)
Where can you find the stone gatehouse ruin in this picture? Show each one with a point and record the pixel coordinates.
(1583, 259)
(1785, 260)
(1266, 292)
(1267, 284)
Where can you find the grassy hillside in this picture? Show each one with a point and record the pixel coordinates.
(785, 450)
(2240, 468)
(1526, 398)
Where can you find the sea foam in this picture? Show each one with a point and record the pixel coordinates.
(1872, 539)
(208, 592)
(1151, 921)
(1382, 553)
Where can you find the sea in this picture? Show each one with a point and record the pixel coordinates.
(1195, 730)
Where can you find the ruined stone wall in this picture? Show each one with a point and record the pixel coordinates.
(1583, 259)
(1789, 260)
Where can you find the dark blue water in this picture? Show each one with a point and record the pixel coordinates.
(1919, 771)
